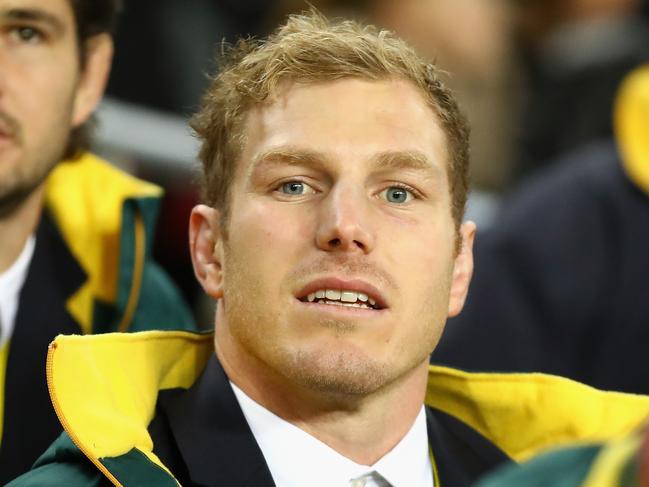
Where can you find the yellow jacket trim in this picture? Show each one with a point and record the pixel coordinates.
(631, 119)
(541, 410)
(106, 416)
(106, 404)
(136, 284)
(86, 197)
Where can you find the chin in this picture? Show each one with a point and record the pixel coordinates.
(339, 372)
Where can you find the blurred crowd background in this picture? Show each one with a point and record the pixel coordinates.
(536, 78)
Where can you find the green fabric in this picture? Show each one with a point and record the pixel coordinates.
(62, 464)
(563, 468)
(127, 254)
(631, 474)
(148, 208)
(160, 305)
(134, 468)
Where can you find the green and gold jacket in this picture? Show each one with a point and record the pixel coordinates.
(620, 462)
(91, 272)
(155, 408)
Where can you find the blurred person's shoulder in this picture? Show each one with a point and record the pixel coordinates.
(623, 461)
(570, 187)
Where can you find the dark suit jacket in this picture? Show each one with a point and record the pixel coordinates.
(30, 424)
(202, 435)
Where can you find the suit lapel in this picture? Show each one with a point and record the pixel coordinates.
(30, 423)
(206, 440)
(461, 454)
(211, 434)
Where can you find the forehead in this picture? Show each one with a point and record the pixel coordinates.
(349, 120)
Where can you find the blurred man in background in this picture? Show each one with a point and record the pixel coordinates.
(74, 235)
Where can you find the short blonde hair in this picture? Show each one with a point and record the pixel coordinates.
(310, 48)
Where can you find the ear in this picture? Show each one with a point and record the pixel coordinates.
(93, 77)
(462, 270)
(206, 247)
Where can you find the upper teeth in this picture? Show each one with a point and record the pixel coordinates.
(340, 295)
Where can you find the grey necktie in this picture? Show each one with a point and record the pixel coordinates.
(363, 480)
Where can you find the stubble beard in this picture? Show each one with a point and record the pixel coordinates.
(14, 196)
(30, 171)
(330, 371)
(334, 371)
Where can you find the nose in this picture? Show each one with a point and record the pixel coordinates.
(344, 222)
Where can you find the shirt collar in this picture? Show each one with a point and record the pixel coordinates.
(296, 458)
(11, 282)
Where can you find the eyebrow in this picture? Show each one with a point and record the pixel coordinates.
(387, 160)
(35, 15)
(291, 156)
(413, 160)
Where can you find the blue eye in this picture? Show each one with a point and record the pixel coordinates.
(396, 194)
(295, 188)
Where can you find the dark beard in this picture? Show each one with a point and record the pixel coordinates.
(10, 202)
(16, 197)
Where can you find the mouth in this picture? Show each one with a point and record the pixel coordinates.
(7, 132)
(336, 292)
(5, 135)
(6, 141)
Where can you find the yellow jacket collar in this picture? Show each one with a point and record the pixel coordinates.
(104, 389)
(631, 124)
(86, 198)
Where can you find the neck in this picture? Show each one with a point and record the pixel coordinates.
(17, 226)
(361, 428)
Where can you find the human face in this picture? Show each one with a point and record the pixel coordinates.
(43, 93)
(341, 187)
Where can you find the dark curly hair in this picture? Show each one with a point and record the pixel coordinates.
(92, 17)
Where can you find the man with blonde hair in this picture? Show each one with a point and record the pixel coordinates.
(331, 238)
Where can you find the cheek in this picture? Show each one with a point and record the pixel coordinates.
(422, 257)
(265, 241)
(420, 244)
(48, 111)
(274, 228)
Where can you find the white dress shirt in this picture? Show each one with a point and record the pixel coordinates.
(11, 282)
(297, 459)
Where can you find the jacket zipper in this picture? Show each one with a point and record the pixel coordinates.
(64, 422)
